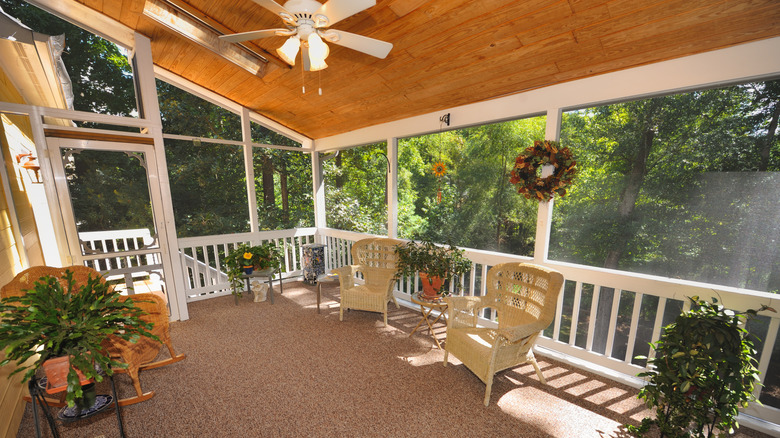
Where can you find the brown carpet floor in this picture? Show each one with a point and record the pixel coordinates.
(283, 370)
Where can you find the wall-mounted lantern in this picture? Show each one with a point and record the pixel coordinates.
(30, 164)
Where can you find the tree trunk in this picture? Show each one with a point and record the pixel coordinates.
(285, 193)
(628, 199)
(339, 180)
(269, 197)
(766, 147)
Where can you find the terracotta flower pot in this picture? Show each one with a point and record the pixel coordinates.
(56, 370)
(431, 286)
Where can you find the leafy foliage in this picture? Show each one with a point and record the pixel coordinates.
(68, 322)
(445, 262)
(704, 370)
(262, 256)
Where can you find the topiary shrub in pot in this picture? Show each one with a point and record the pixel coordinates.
(52, 321)
(435, 264)
(703, 371)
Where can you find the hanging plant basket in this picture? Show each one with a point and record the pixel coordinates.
(526, 175)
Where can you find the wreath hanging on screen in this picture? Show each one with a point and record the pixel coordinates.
(526, 173)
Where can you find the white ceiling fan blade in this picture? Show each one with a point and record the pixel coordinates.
(272, 6)
(361, 43)
(253, 35)
(337, 10)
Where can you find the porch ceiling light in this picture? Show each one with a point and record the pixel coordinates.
(318, 51)
(289, 50)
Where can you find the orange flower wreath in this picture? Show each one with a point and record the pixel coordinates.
(525, 175)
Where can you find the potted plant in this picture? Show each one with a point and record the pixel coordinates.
(702, 372)
(244, 259)
(68, 324)
(436, 265)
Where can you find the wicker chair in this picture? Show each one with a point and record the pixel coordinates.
(375, 259)
(525, 297)
(138, 356)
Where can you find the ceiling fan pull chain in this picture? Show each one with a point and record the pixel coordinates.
(319, 79)
(303, 82)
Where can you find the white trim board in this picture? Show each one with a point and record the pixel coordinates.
(741, 63)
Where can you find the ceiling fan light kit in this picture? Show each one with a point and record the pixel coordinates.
(307, 22)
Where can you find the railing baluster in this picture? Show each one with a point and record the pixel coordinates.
(575, 317)
(594, 307)
(657, 324)
(612, 322)
(632, 331)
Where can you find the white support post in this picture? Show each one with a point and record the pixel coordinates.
(164, 219)
(544, 214)
(392, 188)
(249, 169)
(318, 187)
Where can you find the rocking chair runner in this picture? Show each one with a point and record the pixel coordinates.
(138, 356)
(525, 297)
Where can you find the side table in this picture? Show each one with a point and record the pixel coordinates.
(268, 274)
(324, 278)
(427, 306)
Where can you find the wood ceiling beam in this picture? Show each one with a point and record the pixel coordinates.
(223, 30)
(198, 33)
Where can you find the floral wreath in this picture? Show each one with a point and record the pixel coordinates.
(525, 173)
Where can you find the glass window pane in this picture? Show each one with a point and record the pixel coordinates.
(100, 73)
(284, 189)
(678, 186)
(208, 188)
(355, 189)
(109, 190)
(183, 113)
(472, 203)
(261, 134)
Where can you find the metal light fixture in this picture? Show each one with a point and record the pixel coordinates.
(29, 163)
(289, 50)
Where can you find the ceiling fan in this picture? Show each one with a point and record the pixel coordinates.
(307, 24)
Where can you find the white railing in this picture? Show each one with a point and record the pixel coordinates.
(203, 258)
(605, 318)
(126, 257)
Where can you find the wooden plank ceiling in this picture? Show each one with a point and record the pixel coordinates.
(446, 52)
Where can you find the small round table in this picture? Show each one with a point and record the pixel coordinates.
(427, 306)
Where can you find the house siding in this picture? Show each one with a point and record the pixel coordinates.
(17, 128)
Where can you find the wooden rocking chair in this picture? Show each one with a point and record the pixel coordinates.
(138, 356)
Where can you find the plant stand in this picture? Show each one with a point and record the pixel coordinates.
(36, 394)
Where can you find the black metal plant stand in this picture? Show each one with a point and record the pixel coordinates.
(36, 394)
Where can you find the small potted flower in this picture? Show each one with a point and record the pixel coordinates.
(436, 265)
(244, 259)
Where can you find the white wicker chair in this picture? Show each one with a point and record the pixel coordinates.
(525, 297)
(374, 258)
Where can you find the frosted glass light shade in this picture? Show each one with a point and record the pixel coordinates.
(289, 50)
(318, 51)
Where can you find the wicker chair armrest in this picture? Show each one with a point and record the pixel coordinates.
(519, 333)
(346, 275)
(464, 303)
(462, 311)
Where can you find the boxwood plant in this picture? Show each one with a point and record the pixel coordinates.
(703, 371)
